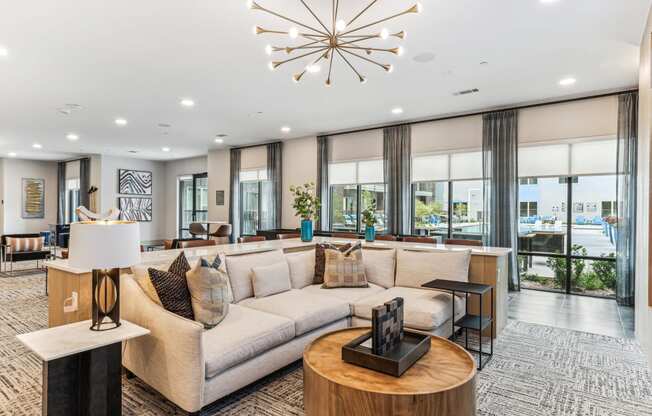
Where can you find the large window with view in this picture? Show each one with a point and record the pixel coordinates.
(355, 186)
(447, 195)
(567, 232)
(253, 204)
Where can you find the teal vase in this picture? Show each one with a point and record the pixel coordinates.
(370, 233)
(306, 230)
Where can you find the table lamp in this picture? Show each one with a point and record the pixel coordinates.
(104, 247)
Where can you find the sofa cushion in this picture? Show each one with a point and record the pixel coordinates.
(347, 294)
(344, 269)
(239, 270)
(207, 283)
(25, 244)
(242, 335)
(380, 266)
(306, 310)
(302, 268)
(271, 279)
(423, 309)
(415, 268)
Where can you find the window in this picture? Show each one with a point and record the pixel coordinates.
(354, 186)
(193, 201)
(528, 209)
(608, 209)
(447, 195)
(528, 181)
(252, 204)
(73, 199)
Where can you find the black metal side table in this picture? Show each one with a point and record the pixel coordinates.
(470, 321)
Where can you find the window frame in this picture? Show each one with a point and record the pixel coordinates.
(358, 190)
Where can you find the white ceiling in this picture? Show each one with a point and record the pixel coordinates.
(137, 59)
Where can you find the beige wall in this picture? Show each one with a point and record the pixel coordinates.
(643, 313)
(299, 167)
(13, 172)
(218, 180)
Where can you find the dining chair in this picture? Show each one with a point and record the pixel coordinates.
(287, 236)
(197, 230)
(462, 242)
(251, 239)
(223, 234)
(196, 243)
(424, 240)
(352, 236)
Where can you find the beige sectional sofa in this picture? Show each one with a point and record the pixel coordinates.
(193, 367)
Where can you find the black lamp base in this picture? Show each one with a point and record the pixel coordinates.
(105, 313)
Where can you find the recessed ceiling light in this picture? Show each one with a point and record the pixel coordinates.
(397, 110)
(164, 125)
(219, 141)
(567, 81)
(72, 137)
(37, 146)
(187, 102)
(548, 1)
(285, 129)
(3, 52)
(165, 149)
(424, 57)
(121, 121)
(12, 154)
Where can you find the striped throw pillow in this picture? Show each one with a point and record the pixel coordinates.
(23, 244)
(344, 269)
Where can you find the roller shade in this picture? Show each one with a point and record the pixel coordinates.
(253, 158)
(466, 165)
(546, 160)
(365, 171)
(592, 158)
(446, 135)
(356, 146)
(597, 157)
(430, 168)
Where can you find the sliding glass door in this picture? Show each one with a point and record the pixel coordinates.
(193, 201)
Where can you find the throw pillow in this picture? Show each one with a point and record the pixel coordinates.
(209, 294)
(302, 268)
(380, 266)
(320, 260)
(141, 274)
(270, 280)
(239, 269)
(172, 288)
(344, 269)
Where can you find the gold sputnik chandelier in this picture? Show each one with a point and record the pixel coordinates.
(341, 37)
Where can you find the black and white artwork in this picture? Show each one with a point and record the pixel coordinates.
(134, 182)
(135, 209)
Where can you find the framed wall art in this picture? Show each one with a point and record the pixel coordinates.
(134, 182)
(33, 198)
(135, 209)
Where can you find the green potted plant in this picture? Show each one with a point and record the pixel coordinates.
(306, 206)
(369, 220)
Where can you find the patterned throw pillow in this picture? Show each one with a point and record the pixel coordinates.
(172, 288)
(320, 260)
(208, 286)
(23, 244)
(344, 269)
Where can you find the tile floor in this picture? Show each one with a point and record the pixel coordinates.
(580, 313)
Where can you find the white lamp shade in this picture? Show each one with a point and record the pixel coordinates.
(104, 244)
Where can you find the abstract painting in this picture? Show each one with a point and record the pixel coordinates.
(134, 182)
(135, 209)
(33, 198)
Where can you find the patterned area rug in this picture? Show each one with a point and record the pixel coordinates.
(537, 370)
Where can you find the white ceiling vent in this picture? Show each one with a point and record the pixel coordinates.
(466, 92)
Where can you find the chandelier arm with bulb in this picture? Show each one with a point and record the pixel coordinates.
(339, 38)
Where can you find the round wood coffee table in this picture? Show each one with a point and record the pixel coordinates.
(441, 383)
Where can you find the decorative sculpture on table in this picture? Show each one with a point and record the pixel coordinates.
(387, 326)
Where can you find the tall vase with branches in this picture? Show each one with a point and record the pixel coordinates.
(306, 206)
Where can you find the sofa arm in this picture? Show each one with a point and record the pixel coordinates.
(170, 359)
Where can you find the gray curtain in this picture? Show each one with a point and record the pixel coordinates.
(323, 223)
(626, 190)
(274, 189)
(84, 182)
(61, 193)
(397, 154)
(500, 172)
(234, 194)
